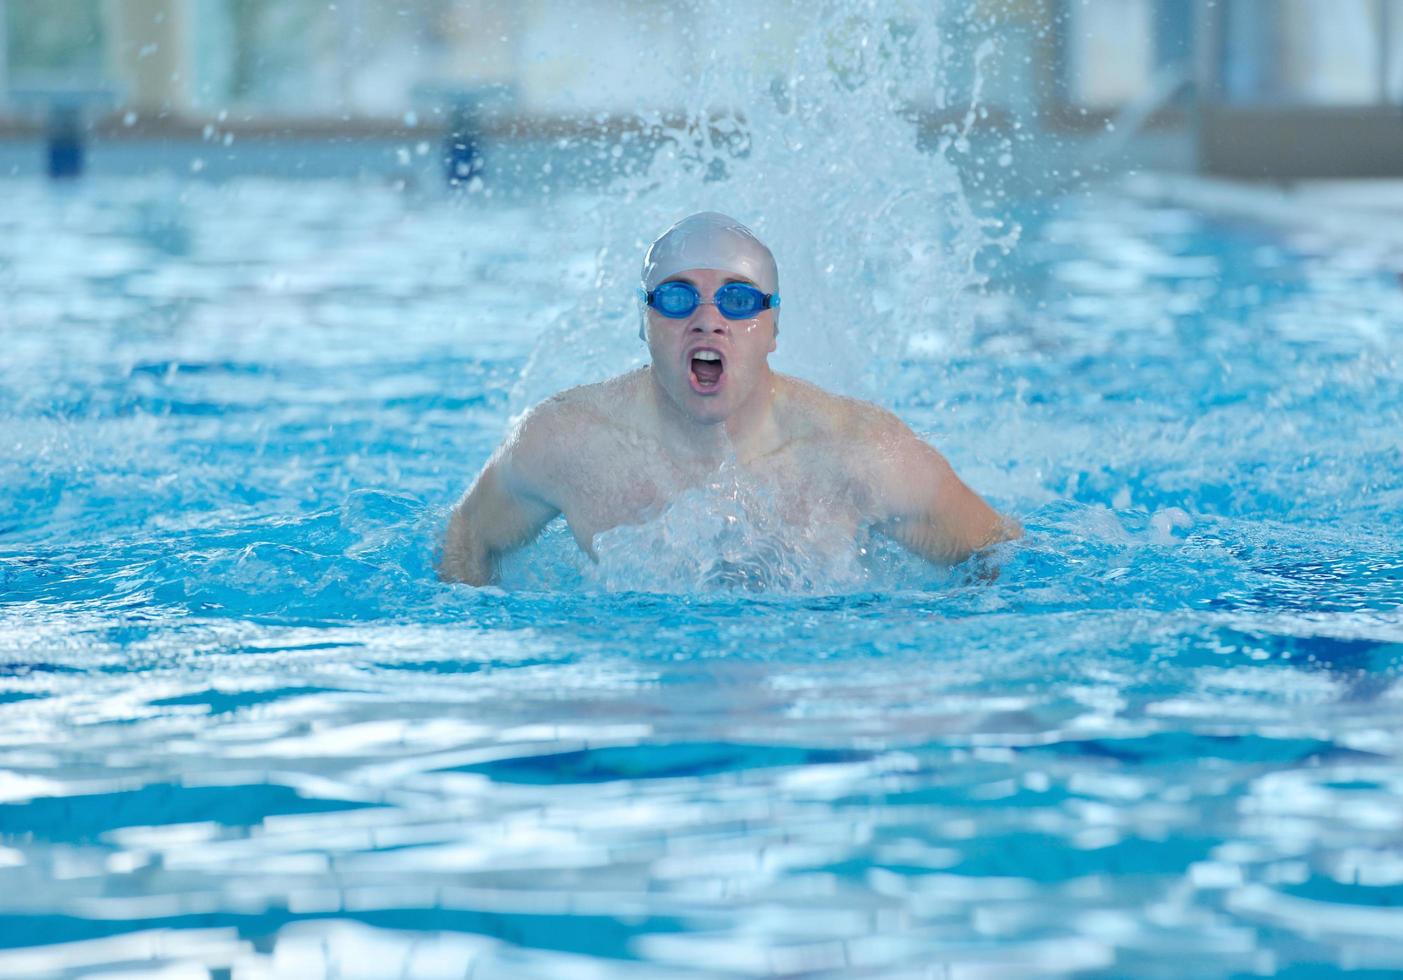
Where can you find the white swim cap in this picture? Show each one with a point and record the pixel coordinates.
(708, 240)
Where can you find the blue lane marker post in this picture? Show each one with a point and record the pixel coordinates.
(462, 158)
(65, 142)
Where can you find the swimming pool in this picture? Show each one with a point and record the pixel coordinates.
(244, 732)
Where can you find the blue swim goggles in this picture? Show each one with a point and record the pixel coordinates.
(735, 301)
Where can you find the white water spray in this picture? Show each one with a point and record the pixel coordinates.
(815, 148)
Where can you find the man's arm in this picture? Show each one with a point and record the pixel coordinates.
(925, 506)
(504, 509)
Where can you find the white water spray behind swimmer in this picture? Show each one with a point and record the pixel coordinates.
(812, 145)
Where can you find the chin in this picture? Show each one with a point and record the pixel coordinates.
(707, 410)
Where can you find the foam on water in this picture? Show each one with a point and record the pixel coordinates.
(727, 535)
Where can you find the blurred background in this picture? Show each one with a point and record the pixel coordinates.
(423, 89)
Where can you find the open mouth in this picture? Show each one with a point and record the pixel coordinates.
(707, 368)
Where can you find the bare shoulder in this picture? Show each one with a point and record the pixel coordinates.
(569, 413)
(892, 469)
(547, 442)
(854, 426)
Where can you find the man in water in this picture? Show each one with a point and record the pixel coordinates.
(618, 452)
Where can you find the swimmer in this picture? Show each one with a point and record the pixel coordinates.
(618, 452)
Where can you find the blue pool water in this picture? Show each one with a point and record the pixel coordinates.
(245, 732)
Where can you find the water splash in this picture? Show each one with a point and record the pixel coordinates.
(726, 536)
(813, 144)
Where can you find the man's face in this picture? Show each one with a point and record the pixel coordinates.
(684, 352)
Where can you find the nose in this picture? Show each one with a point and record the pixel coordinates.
(708, 319)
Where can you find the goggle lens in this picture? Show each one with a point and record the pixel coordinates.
(737, 301)
(675, 299)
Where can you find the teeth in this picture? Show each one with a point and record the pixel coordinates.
(706, 355)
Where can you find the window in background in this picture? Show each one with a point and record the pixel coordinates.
(354, 58)
(1110, 50)
(284, 56)
(1393, 45)
(51, 44)
(1314, 52)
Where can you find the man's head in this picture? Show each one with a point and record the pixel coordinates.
(707, 363)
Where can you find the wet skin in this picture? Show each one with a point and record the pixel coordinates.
(619, 451)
